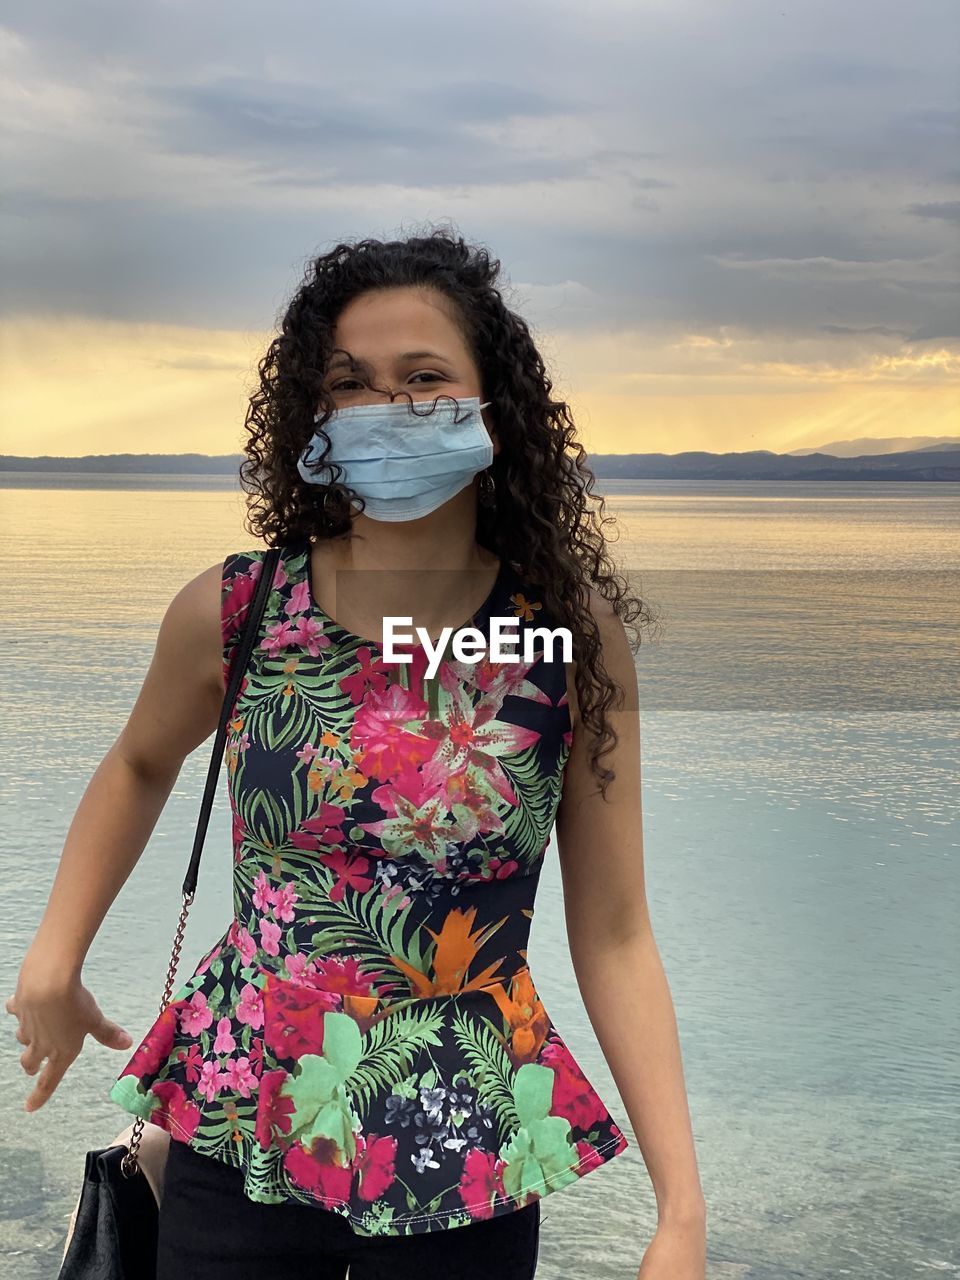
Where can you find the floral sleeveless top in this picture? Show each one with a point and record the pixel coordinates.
(366, 1036)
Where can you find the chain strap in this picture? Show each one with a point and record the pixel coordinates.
(130, 1164)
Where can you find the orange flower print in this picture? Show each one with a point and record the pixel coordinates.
(524, 607)
(526, 1017)
(455, 949)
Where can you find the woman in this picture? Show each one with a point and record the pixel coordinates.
(360, 1072)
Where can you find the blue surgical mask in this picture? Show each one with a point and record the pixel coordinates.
(404, 462)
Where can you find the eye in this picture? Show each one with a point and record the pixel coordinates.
(423, 373)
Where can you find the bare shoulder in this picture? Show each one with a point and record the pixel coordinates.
(179, 702)
(194, 617)
(616, 652)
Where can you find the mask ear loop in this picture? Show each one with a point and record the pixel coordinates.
(316, 417)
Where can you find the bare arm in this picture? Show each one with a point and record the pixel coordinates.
(178, 707)
(612, 946)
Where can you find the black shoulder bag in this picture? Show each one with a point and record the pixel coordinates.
(115, 1232)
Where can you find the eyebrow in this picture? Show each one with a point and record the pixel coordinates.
(350, 362)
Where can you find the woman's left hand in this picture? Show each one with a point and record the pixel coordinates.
(678, 1251)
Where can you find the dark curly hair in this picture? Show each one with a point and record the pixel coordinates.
(546, 518)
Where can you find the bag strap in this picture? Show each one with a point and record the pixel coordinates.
(248, 636)
(130, 1164)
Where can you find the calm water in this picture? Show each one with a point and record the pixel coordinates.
(799, 712)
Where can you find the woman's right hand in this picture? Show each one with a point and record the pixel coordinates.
(54, 1015)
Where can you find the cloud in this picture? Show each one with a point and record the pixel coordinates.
(640, 167)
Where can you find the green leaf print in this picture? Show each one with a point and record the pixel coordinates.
(264, 1174)
(391, 1048)
(262, 816)
(127, 1093)
(527, 824)
(540, 1153)
(377, 925)
(321, 1103)
(492, 1069)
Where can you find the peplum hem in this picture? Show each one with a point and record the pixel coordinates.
(401, 1114)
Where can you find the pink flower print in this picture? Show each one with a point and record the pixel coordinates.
(573, 1096)
(342, 974)
(309, 634)
(157, 1045)
(246, 946)
(307, 752)
(280, 635)
(350, 873)
(192, 1061)
(256, 1055)
(408, 786)
(239, 831)
(224, 1042)
(473, 737)
(283, 901)
(299, 967)
(173, 1112)
(207, 961)
(269, 936)
(372, 675)
(481, 1182)
(237, 594)
(387, 737)
(250, 1007)
(210, 1082)
(299, 601)
(239, 1076)
(422, 828)
(329, 1183)
(195, 1016)
(374, 1164)
(587, 1155)
(274, 1110)
(263, 894)
(324, 828)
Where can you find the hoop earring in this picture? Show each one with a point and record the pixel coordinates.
(487, 496)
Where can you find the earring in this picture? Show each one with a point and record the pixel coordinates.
(488, 489)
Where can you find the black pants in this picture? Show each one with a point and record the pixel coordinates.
(209, 1230)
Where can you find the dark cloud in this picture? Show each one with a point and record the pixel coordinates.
(778, 171)
(948, 210)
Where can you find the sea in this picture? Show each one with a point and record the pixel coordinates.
(799, 688)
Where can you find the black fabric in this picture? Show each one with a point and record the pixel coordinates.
(115, 1235)
(209, 1228)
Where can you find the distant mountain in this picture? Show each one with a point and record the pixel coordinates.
(870, 445)
(760, 464)
(929, 463)
(130, 463)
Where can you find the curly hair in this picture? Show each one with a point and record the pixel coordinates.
(545, 518)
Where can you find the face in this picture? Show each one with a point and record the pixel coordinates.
(401, 340)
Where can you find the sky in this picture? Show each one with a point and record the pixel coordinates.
(729, 226)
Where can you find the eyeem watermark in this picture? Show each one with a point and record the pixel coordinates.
(470, 643)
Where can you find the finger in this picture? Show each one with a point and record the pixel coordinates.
(50, 1077)
(31, 1059)
(112, 1035)
(21, 1035)
(11, 1004)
